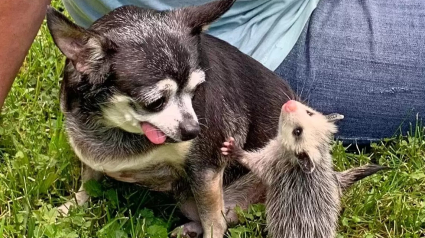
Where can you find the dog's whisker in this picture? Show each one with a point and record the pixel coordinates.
(207, 69)
(204, 125)
(153, 130)
(162, 136)
(102, 103)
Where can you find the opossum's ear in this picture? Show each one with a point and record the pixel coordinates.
(199, 17)
(306, 162)
(333, 117)
(86, 49)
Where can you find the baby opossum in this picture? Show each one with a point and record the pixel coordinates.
(303, 197)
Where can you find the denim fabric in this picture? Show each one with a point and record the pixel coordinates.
(364, 59)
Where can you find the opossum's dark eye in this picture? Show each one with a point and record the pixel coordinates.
(309, 113)
(156, 105)
(297, 131)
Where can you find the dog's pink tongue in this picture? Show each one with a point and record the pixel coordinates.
(153, 134)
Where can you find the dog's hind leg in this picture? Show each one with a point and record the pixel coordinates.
(191, 229)
(81, 196)
(243, 192)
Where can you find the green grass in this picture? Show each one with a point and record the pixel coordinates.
(38, 170)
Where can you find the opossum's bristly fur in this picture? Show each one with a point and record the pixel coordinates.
(303, 205)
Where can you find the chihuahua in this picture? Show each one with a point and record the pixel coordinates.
(148, 97)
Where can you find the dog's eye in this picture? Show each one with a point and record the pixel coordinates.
(297, 131)
(156, 105)
(309, 113)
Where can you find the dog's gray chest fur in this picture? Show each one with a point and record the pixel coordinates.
(128, 157)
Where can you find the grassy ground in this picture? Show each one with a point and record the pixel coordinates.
(38, 170)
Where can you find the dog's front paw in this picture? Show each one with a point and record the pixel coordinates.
(64, 209)
(189, 230)
(81, 197)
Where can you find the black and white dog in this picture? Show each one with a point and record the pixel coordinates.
(149, 98)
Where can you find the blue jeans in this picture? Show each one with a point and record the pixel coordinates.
(364, 59)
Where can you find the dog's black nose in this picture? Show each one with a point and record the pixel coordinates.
(189, 130)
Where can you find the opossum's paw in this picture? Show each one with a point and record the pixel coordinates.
(189, 230)
(232, 217)
(228, 146)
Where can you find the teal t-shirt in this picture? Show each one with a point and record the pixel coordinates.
(264, 29)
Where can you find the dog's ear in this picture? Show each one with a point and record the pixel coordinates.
(86, 49)
(198, 18)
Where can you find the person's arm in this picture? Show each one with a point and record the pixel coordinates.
(20, 21)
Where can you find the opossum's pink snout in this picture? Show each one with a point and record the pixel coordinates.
(290, 106)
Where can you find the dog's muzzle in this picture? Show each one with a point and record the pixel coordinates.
(189, 130)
